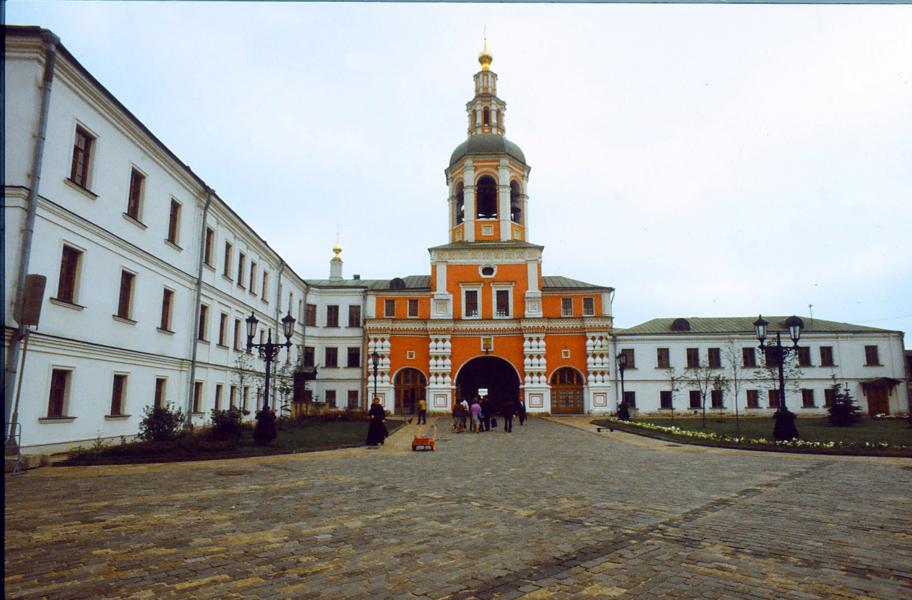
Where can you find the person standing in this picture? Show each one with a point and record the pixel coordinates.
(508, 410)
(376, 430)
(521, 410)
(422, 411)
(485, 415)
(475, 411)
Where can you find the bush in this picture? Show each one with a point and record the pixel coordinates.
(160, 423)
(349, 414)
(227, 424)
(843, 410)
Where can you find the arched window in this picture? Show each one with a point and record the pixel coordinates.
(486, 197)
(486, 115)
(460, 203)
(515, 203)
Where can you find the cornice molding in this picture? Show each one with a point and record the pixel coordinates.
(485, 255)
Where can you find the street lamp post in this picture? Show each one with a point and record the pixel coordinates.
(375, 361)
(623, 410)
(785, 428)
(265, 430)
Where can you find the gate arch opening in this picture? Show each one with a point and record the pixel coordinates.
(493, 373)
(567, 391)
(409, 387)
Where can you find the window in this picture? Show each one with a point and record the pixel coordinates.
(826, 356)
(486, 198)
(232, 396)
(748, 357)
(630, 354)
(160, 385)
(197, 397)
(693, 358)
(470, 303)
(665, 399)
(662, 358)
(804, 356)
(515, 203)
(174, 221)
(207, 250)
(237, 334)
(265, 292)
(331, 357)
(771, 357)
(694, 396)
(630, 399)
(125, 298)
(354, 315)
(69, 268)
(773, 398)
(117, 395)
(588, 306)
(829, 395)
(330, 396)
(753, 398)
(717, 399)
(204, 315)
(332, 315)
(309, 356)
(354, 357)
(242, 258)
(252, 284)
(502, 303)
(82, 156)
(871, 357)
(218, 396)
(566, 307)
(311, 315)
(715, 358)
(460, 203)
(245, 400)
(389, 307)
(226, 271)
(352, 398)
(413, 307)
(807, 398)
(167, 303)
(134, 202)
(223, 329)
(60, 384)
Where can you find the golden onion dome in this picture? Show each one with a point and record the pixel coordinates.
(485, 57)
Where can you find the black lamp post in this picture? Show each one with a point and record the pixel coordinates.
(623, 411)
(784, 428)
(375, 361)
(269, 351)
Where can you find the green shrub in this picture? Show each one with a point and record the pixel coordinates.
(843, 410)
(227, 424)
(160, 423)
(349, 414)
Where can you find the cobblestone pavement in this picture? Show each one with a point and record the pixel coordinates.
(549, 511)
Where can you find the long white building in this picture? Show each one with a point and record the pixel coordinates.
(150, 276)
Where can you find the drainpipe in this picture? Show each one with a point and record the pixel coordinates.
(210, 193)
(278, 312)
(365, 397)
(25, 249)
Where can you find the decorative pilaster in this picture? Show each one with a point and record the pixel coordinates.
(536, 391)
(385, 391)
(440, 383)
(598, 365)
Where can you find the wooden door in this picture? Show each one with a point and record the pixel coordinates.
(878, 403)
(410, 387)
(567, 392)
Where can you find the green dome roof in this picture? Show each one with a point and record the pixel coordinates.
(487, 144)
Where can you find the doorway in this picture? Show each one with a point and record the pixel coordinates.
(410, 386)
(487, 372)
(878, 402)
(567, 392)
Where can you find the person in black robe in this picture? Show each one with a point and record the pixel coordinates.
(521, 410)
(508, 410)
(376, 430)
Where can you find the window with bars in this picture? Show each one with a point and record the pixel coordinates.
(588, 306)
(332, 315)
(134, 201)
(502, 303)
(807, 398)
(663, 358)
(753, 398)
(872, 359)
(826, 356)
(167, 305)
(694, 397)
(566, 307)
(60, 384)
(354, 315)
(470, 303)
(69, 269)
(749, 357)
(117, 395)
(714, 358)
(174, 221)
(125, 297)
(161, 384)
(354, 357)
(330, 357)
(693, 358)
(82, 156)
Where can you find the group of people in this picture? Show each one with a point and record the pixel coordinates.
(481, 414)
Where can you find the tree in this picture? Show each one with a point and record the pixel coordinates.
(843, 410)
(768, 377)
(706, 379)
(244, 373)
(735, 376)
(675, 380)
(283, 385)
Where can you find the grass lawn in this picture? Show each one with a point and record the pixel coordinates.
(296, 436)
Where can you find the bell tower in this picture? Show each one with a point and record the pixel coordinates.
(488, 176)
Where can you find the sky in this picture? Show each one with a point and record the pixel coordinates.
(722, 160)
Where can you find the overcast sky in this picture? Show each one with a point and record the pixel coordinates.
(702, 160)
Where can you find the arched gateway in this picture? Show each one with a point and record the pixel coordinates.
(409, 388)
(567, 391)
(487, 372)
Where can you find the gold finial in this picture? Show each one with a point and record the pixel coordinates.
(337, 248)
(485, 57)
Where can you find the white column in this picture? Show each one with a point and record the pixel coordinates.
(503, 201)
(441, 277)
(468, 182)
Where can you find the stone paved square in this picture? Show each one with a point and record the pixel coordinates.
(550, 511)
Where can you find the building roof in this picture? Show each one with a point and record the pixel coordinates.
(558, 282)
(741, 325)
(487, 143)
(410, 282)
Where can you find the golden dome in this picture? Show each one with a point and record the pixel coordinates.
(337, 248)
(485, 57)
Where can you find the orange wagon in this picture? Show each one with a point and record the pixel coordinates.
(427, 441)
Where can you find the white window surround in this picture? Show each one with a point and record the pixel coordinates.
(477, 290)
(501, 287)
(481, 269)
(79, 267)
(142, 194)
(93, 157)
(67, 393)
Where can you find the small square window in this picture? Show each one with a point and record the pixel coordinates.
(565, 353)
(410, 355)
